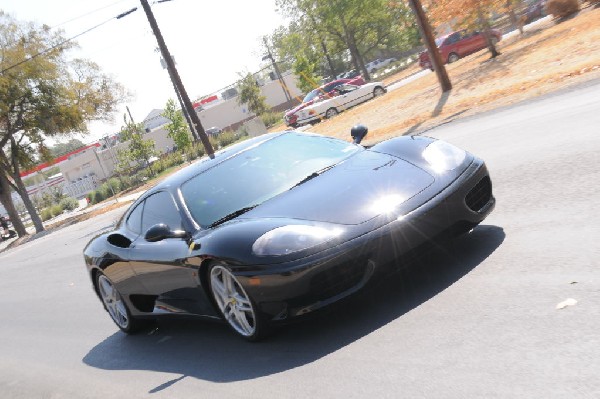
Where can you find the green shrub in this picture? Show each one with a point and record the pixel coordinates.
(56, 210)
(107, 190)
(227, 137)
(69, 203)
(96, 196)
(126, 182)
(562, 8)
(115, 184)
(46, 214)
(241, 132)
(271, 118)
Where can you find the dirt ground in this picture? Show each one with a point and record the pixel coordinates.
(550, 56)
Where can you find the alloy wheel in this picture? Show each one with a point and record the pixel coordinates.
(233, 302)
(113, 302)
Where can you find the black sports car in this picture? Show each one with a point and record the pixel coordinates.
(281, 225)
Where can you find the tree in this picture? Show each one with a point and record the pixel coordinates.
(178, 129)
(139, 150)
(43, 94)
(306, 71)
(469, 14)
(249, 94)
(59, 149)
(362, 27)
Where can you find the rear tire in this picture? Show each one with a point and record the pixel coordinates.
(235, 305)
(116, 307)
(330, 113)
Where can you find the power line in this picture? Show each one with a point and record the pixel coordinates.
(67, 40)
(87, 13)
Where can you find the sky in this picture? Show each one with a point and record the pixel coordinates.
(211, 41)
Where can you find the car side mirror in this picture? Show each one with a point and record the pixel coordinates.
(160, 231)
(358, 133)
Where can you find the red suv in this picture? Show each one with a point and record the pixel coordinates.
(457, 45)
(327, 90)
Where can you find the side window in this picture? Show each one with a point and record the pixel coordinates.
(453, 38)
(160, 208)
(134, 221)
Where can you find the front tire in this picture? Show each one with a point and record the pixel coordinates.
(116, 307)
(235, 305)
(378, 91)
(453, 57)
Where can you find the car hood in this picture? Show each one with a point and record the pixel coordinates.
(358, 189)
(298, 108)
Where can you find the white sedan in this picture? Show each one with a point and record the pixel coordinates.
(349, 96)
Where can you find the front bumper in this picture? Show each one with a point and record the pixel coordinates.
(301, 286)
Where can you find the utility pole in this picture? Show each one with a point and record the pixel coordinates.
(196, 125)
(434, 54)
(181, 104)
(269, 56)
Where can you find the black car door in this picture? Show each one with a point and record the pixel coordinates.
(164, 267)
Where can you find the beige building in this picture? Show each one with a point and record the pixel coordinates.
(84, 171)
(229, 114)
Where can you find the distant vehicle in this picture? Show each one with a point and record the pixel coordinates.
(348, 96)
(456, 45)
(534, 11)
(213, 131)
(379, 63)
(325, 91)
(349, 75)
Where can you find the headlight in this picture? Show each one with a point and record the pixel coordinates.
(292, 238)
(443, 156)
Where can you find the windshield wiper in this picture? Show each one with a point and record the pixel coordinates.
(313, 175)
(233, 215)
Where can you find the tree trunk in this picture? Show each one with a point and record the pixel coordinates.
(329, 60)
(324, 47)
(7, 202)
(515, 22)
(354, 53)
(486, 32)
(35, 218)
(15, 173)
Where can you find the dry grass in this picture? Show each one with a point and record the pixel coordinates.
(545, 59)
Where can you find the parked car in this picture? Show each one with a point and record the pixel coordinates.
(281, 225)
(535, 10)
(324, 91)
(456, 45)
(349, 74)
(213, 131)
(378, 64)
(348, 95)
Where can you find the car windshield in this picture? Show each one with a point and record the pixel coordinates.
(346, 87)
(439, 41)
(260, 173)
(310, 96)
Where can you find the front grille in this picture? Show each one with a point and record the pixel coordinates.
(479, 195)
(338, 279)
